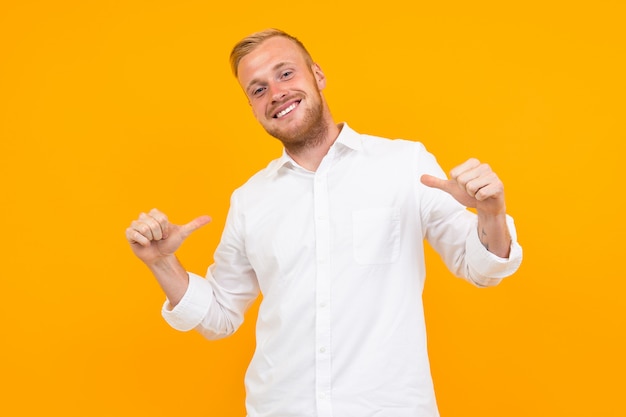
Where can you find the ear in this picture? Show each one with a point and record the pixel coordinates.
(320, 78)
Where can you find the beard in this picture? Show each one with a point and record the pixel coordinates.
(309, 132)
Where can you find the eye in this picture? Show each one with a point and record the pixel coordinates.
(257, 91)
(286, 74)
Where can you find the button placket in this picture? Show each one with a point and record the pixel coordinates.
(323, 319)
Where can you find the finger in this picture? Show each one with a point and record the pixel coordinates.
(490, 187)
(163, 221)
(142, 228)
(194, 225)
(474, 185)
(134, 237)
(465, 168)
(155, 226)
(478, 175)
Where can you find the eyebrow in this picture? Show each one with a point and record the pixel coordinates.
(274, 68)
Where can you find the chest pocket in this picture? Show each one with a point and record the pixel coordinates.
(376, 235)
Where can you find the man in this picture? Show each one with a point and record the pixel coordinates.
(331, 234)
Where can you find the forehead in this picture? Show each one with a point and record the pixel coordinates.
(266, 56)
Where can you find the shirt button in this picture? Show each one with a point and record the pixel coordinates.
(322, 349)
(323, 304)
(322, 395)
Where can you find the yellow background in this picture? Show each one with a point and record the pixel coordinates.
(110, 108)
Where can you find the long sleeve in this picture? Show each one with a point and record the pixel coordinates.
(215, 305)
(451, 230)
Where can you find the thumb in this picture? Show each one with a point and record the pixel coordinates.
(451, 187)
(194, 225)
(434, 182)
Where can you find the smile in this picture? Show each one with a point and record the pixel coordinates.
(286, 111)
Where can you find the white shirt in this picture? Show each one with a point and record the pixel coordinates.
(338, 256)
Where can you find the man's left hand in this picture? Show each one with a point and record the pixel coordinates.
(473, 184)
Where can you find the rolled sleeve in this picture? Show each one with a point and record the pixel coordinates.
(487, 269)
(192, 308)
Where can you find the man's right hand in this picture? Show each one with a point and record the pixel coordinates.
(152, 237)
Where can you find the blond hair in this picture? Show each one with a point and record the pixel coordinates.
(249, 43)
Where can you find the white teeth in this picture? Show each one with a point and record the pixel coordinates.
(287, 110)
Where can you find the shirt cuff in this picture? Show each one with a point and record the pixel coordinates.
(489, 265)
(192, 308)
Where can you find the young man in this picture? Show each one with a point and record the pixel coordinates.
(332, 234)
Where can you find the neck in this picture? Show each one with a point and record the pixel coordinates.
(309, 155)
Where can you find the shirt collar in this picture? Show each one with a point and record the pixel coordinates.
(347, 138)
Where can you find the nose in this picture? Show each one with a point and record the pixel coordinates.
(277, 92)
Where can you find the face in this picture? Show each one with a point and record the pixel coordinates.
(284, 91)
